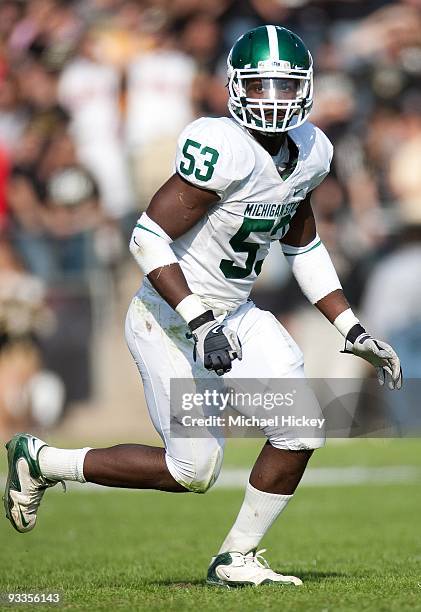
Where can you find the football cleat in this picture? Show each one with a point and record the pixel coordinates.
(25, 484)
(233, 569)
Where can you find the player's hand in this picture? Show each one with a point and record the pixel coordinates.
(380, 354)
(215, 344)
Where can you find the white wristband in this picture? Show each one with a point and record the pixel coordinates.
(150, 245)
(313, 269)
(345, 321)
(190, 307)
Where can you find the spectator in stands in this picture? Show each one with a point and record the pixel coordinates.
(29, 395)
(159, 105)
(393, 282)
(90, 91)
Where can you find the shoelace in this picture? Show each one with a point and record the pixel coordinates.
(256, 558)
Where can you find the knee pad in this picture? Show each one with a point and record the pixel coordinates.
(199, 472)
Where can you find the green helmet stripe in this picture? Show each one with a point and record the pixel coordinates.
(273, 42)
(269, 42)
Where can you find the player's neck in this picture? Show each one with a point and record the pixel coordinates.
(272, 144)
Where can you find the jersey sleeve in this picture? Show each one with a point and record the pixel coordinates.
(212, 155)
(322, 158)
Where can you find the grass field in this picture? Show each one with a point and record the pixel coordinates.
(356, 547)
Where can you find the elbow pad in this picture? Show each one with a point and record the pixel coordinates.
(313, 269)
(150, 245)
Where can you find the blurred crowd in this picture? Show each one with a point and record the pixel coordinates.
(93, 94)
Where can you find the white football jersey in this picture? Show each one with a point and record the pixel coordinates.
(223, 253)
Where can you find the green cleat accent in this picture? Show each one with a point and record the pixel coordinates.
(212, 577)
(25, 484)
(234, 570)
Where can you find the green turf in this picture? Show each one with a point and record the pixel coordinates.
(342, 453)
(356, 548)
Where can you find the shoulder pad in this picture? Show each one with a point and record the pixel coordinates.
(316, 151)
(212, 154)
(324, 148)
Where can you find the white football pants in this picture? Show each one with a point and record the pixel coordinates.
(156, 336)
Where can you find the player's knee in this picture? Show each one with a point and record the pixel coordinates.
(199, 474)
(297, 444)
(207, 468)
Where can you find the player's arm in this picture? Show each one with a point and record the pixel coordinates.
(314, 271)
(174, 210)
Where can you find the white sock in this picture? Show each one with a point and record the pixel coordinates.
(258, 512)
(62, 463)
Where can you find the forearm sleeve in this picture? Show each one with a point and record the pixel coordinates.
(313, 269)
(150, 245)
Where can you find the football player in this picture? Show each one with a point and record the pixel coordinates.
(240, 183)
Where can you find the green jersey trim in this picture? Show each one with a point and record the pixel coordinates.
(147, 229)
(302, 252)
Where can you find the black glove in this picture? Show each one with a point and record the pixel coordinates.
(215, 344)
